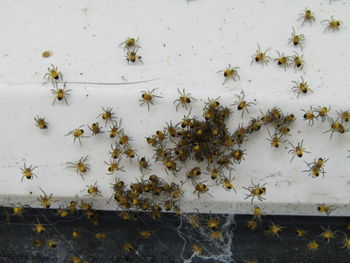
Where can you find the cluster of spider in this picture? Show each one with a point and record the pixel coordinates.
(215, 227)
(151, 195)
(131, 46)
(274, 230)
(192, 139)
(54, 76)
(297, 40)
(45, 237)
(210, 140)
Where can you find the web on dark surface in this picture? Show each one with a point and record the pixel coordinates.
(137, 237)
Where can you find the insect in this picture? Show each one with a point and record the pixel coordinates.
(40, 122)
(114, 166)
(274, 230)
(52, 243)
(242, 104)
(310, 116)
(133, 57)
(27, 172)
(184, 100)
(107, 114)
(260, 56)
(130, 43)
(53, 74)
(298, 61)
(60, 93)
(297, 40)
(298, 150)
(306, 17)
(275, 140)
(77, 134)
(148, 97)
(45, 200)
(301, 87)
(327, 234)
(230, 73)
(115, 129)
(80, 166)
(313, 245)
(344, 115)
(331, 24)
(336, 126)
(127, 247)
(93, 190)
(256, 190)
(145, 234)
(282, 60)
(345, 242)
(200, 188)
(95, 128)
(301, 233)
(323, 112)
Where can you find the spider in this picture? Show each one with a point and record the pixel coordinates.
(60, 93)
(130, 42)
(147, 97)
(184, 99)
(256, 190)
(306, 17)
(260, 57)
(230, 73)
(332, 24)
(131, 56)
(242, 104)
(53, 74)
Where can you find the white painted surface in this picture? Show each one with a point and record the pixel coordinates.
(183, 44)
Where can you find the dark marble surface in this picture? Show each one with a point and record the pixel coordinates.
(172, 238)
